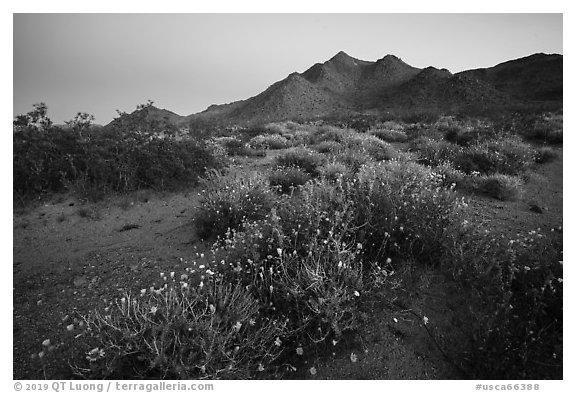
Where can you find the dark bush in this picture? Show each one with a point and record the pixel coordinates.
(111, 160)
(502, 187)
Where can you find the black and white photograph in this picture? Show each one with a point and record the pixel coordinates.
(287, 196)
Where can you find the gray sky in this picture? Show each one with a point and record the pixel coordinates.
(97, 63)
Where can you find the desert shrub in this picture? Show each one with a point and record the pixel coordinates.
(390, 135)
(544, 155)
(328, 147)
(179, 331)
(392, 125)
(273, 141)
(452, 177)
(334, 171)
(300, 157)
(434, 152)
(276, 128)
(330, 133)
(499, 186)
(353, 159)
(515, 295)
(507, 155)
(403, 209)
(228, 200)
(370, 145)
(285, 179)
(229, 142)
(132, 153)
(313, 287)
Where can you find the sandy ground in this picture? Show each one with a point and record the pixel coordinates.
(70, 257)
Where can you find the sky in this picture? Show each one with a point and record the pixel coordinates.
(98, 63)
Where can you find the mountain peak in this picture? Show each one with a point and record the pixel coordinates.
(390, 59)
(342, 57)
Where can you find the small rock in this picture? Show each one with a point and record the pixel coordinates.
(536, 209)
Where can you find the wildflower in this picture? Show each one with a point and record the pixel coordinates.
(334, 342)
(95, 354)
(278, 342)
(425, 319)
(143, 291)
(212, 309)
(184, 285)
(171, 274)
(388, 260)
(313, 370)
(201, 285)
(356, 293)
(353, 357)
(279, 251)
(260, 367)
(46, 342)
(161, 274)
(41, 354)
(183, 277)
(359, 246)
(70, 327)
(300, 351)
(252, 322)
(237, 326)
(339, 264)
(395, 320)
(153, 310)
(203, 369)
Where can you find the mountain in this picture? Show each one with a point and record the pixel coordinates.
(345, 85)
(535, 78)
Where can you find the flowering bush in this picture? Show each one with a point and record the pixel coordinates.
(515, 291)
(228, 200)
(434, 152)
(178, 331)
(403, 208)
(506, 155)
(313, 286)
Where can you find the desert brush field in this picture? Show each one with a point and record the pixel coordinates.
(417, 246)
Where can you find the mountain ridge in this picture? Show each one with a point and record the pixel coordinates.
(345, 85)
